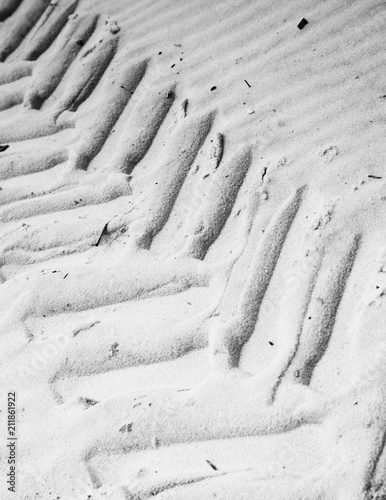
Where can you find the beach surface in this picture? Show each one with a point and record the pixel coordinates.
(192, 250)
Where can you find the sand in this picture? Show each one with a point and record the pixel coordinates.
(192, 250)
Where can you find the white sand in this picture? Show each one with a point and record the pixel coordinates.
(193, 252)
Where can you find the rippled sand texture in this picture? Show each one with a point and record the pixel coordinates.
(193, 248)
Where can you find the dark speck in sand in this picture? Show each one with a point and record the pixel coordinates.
(302, 23)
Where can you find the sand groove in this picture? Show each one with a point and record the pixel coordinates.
(19, 24)
(8, 7)
(45, 31)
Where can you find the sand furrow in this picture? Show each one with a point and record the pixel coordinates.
(218, 203)
(228, 338)
(45, 31)
(8, 7)
(22, 163)
(141, 128)
(169, 175)
(94, 60)
(48, 73)
(19, 24)
(320, 317)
